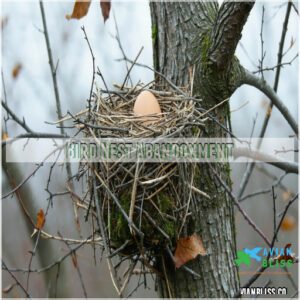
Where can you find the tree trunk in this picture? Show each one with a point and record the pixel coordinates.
(186, 36)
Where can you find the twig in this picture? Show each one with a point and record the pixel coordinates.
(232, 196)
(133, 194)
(50, 266)
(15, 118)
(274, 208)
(263, 53)
(77, 120)
(99, 73)
(112, 270)
(187, 269)
(260, 270)
(278, 65)
(35, 135)
(94, 71)
(15, 279)
(271, 95)
(119, 249)
(257, 82)
(32, 254)
(295, 8)
(76, 266)
(130, 224)
(5, 100)
(31, 174)
(288, 167)
(134, 62)
(56, 279)
(263, 191)
(160, 75)
(154, 223)
(57, 98)
(53, 69)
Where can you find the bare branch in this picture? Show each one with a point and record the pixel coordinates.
(288, 167)
(94, 70)
(269, 109)
(15, 279)
(288, 63)
(247, 218)
(260, 270)
(134, 62)
(52, 67)
(15, 117)
(255, 81)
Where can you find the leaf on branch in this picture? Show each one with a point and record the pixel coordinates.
(74, 259)
(105, 8)
(286, 195)
(16, 70)
(40, 220)
(4, 22)
(187, 249)
(80, 9)
(288, 223)
(4, 136)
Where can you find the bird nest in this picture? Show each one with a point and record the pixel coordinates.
(142, 206)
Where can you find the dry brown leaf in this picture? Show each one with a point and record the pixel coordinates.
(80, 9)
(16, 70)
(288, 223)
(187, 249)
(105, 8)
(40, 220)
(4, 22)
(74, 259)
(4, 136)
(286, 195)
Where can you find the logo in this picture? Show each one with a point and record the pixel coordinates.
(267, 257)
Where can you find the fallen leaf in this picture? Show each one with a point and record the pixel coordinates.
(187, 249)
(16, 70)
(288, 223)
(80, 9)
(40, 220)
(105, 8)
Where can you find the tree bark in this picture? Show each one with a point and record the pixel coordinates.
(196, 35)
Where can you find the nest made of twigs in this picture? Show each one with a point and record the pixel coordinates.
(140, 205)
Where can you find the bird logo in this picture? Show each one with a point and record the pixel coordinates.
(244, 256)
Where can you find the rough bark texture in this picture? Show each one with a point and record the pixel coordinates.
(187, 35)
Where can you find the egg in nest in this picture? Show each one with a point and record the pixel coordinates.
(147, 106)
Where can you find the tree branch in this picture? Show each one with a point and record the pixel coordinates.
(263, 86)
(226, 32)
(270, 106)
(16, 118)
(288, 167)
(53, 69)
